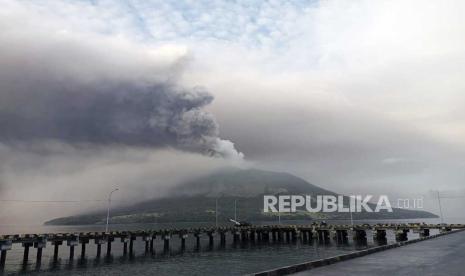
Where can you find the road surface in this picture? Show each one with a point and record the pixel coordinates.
(440, 256)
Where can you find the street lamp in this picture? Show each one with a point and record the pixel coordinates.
(108, 210)
(235, 209)
(216, 213)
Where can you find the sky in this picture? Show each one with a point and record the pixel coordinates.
(354, 96)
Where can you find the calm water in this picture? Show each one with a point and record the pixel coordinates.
(231, 260)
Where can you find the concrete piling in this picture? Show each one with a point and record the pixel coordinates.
(26, 246)
(323, 236)
(147, 239)
(236, 236)
(2, 259)
(72, 241)
(379, 234)
(71, 252)
(99, 240)
(424, 233)
(56, 245)
(166, 242)
(131, 245)
(125, 241)
(152, 250)
(295, 234)
(210, 238)
(252, 236)
(5, 245)
(402, 234)
(222, 238)
(110, 239)
(359, 234)
(40, 244)
(288, 236)
(305, 236)
(197, 240)
(183, 241)
(243, 235)
(84, 241)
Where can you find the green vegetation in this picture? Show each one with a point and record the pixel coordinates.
(195, 201)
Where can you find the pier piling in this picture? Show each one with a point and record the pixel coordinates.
(56, 246)
(5, 245)
(40, 244)
(166, 242)
(131, 245)
(183, 241)
(72, 241)
(424, 233)
(110, 239)
(26, 246)
(125, 241)
(84, 241)
(401, 234)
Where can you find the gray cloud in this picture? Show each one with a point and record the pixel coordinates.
(82, 88)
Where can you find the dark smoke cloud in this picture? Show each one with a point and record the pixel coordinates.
(131, 114)
(93, 89)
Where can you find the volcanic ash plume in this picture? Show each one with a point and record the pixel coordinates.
(90, 89)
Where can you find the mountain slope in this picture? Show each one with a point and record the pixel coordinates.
(195, 201)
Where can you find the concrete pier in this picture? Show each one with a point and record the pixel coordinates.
(39, 245)
(166, 242)
(359, 234)
(236, 235)
(131, 245)
(323, 236)
(72, 241)
(402, 234)
(125, 241)
(26, 246)
(342, 236)
(148, 242)
(424, 233)
(252, 234)
(211, 238)
(5, 246)
(222, 238)
(110, 239)
(56, 246)
(183, 237)
(83, 241)
(99, 241)
(379, 234)
(154, 236)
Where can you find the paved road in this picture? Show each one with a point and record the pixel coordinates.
(441, 256)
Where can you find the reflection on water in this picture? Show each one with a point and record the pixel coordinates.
(217, 260)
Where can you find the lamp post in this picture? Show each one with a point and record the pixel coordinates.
(108, 210)
(235, 211)
(350, 210)
(216, 213)
(440, 207)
